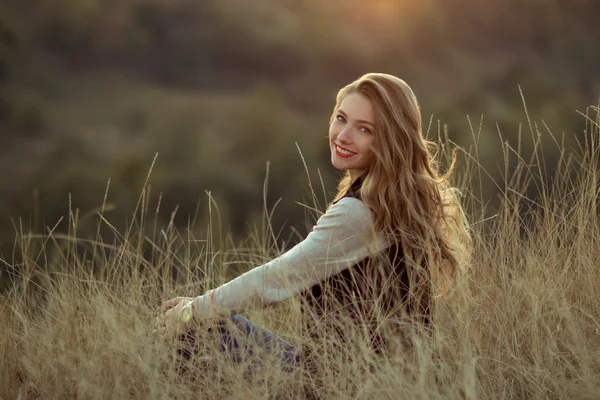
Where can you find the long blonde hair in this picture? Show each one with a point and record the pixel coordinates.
(412, 203)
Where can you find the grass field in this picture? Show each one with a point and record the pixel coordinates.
(523, 323)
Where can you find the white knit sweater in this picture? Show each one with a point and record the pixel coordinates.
(343, 236)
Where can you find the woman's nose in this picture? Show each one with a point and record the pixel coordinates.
(345, 135)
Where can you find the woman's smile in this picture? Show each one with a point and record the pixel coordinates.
(342, 152)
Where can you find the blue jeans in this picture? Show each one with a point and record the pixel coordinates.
(243, 341)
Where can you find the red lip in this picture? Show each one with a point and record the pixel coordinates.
(340, 154)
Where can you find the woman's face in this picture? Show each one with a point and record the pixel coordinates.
(352, 135)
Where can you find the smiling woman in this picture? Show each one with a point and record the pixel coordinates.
(352, 135)
(394, 235)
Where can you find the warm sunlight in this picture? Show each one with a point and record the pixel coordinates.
(374, 11)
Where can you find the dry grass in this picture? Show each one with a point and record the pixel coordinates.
(524, 323)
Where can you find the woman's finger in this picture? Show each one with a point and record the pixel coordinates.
(169, 313)
(167, 305)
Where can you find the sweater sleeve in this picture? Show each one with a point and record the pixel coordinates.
(342, 237)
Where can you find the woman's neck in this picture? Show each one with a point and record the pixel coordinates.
(354, 175)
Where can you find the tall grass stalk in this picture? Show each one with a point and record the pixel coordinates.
(524, 323)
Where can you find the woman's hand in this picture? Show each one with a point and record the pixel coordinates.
(167, 305)
(169, 322)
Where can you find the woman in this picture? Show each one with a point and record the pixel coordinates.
(394, 235)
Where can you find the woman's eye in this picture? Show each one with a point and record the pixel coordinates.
(340, 118)
(365, 130)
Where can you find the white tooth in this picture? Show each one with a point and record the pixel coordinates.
(344, 151)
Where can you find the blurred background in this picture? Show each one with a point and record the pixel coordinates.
(92, 90)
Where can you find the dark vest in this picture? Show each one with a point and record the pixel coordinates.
(379, 285)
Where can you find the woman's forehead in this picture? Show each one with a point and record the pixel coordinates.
(358, 107)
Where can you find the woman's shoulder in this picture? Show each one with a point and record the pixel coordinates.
(352, 204)
(352, 211)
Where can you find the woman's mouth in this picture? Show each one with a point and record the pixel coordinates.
(344, 153)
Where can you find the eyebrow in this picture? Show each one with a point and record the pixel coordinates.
(358, 120)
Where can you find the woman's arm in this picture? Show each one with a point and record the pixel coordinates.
(342, 237)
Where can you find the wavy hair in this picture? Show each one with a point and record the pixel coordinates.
(412, 203)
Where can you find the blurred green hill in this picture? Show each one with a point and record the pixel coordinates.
(91, 90)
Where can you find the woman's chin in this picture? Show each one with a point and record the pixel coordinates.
(338, 165)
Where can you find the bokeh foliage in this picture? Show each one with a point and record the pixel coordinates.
(91, 91)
